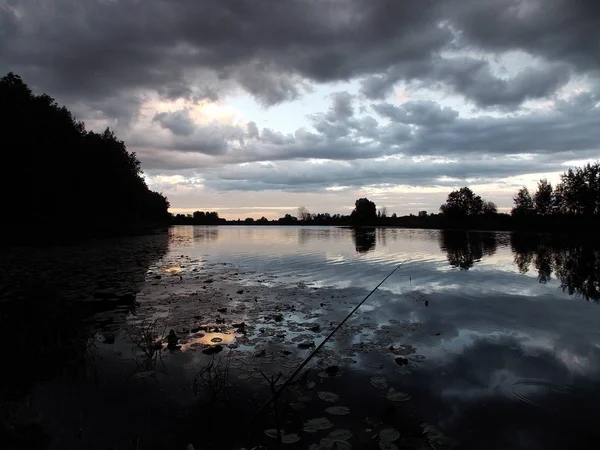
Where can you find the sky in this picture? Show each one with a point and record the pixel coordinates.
(255, 107)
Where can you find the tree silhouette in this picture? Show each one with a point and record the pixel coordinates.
(543, 199)
(365, 212)
(523, 203)
(462, 203)
(64, 174)
(579, 192)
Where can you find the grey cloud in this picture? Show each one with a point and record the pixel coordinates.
(252, 130)
(572, 131)
(198, 50)
(423, 113)
(342, 108)
(473, 78)
(177, 122)
(300, 176)
(558, 30)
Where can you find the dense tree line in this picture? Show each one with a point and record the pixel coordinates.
(63, 179)
(577, 194)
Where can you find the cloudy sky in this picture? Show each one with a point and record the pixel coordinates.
(257, 107)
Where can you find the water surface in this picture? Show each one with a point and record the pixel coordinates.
(492, 338)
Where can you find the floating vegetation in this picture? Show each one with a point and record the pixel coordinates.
(319, 423)
(397, 396)
(286, 438)
(328, 396)
(389, 435)
(436, 438)
(379, 382)
(338, 410)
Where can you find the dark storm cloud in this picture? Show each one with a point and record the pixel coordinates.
(88, 50)
(558, 30)
(473, 79)
(178, 122)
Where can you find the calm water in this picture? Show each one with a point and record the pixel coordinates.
(494, 337)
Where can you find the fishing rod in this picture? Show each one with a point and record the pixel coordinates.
(314, 352)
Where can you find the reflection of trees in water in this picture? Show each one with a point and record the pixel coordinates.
(575, 264)
(206, 233)
(364, 239)
(465, 248)
(313, 234)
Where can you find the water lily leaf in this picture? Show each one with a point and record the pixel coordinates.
(328, 396)
(319, 423)
(389, 434)
(309, 385)
(433, 434)
(330, 444)
(379, 382)
(383, 445)
(338, 410)
(271, 432)
(397, 396)
(327, 375)
(290, 438)
(340, 435)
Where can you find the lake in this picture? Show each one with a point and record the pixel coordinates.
(477, 340)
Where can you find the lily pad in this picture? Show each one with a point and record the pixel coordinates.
(338, 410)
(272, 433)
(340, 435)
(330, 444)
(383, 445)
(328, 396)
(397, 396)
(319, 423)
(403, 371)
(290, 438)
(379, 382)
(389, 434)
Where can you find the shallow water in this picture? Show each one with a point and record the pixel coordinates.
(491, 340)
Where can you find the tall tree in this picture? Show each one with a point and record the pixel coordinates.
(543, 199)
(580, 190)
(303, 214)
(462, 203)
(365, 212)
(523, 203)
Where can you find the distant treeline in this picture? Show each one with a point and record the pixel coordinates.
(62, 180)
(574, 204)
